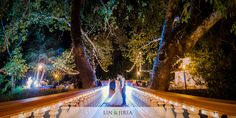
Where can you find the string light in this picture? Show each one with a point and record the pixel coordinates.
(139, 58)
(150, 42)
(95, 50)
(65, 69)
(105, 70)
(93, 61)
(131, 68)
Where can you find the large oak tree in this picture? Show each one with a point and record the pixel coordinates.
(174, 45)
(87, 75)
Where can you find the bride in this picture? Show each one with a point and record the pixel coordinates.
(116, 98)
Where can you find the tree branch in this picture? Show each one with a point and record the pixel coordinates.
(2, 71)
(6, 41)
(208, 23)
(89, 40)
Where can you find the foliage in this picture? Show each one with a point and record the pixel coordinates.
(1, 78)
(57, 75)
(64, 63)
(5, 84)
(99, 32)
(105, 50)
(16, 68)
(23, 17)
(146, 21)
(30, 22)
(215, 67)
(16, 65)
(18, 90)
(106, 12)
(27, 93)
(186, 13)
(233, 29)
(140, 21)
(5, 88)
(139, 43)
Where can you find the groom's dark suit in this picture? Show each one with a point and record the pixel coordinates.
(123, 91)
(112, 85)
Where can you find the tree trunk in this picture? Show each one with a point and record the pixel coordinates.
(165, 57)
(86, 73)
(12, 83)
(162, 62)
(161, 72)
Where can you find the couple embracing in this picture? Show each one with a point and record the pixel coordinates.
(119, 95)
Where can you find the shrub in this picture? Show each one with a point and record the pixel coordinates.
(20, 93)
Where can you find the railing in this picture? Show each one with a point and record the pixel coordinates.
(170, 105)
(53, 106)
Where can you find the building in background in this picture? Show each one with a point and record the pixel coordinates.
(184, 80)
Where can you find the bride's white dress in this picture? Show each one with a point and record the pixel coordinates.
(116, 98)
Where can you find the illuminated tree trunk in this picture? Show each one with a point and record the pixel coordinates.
(87, 74)
(12, 83)
(170, 49)
(162, 62)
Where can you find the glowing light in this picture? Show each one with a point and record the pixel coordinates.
(129, 91)
(203, 112)
(56, 75)
(45, 109)
(40, 66)
(29, 82)
(186, 60)
(176, 104)
(191, 108)
(59, 104)
(165, 100)
(216, 115)
(36, 84)
(105, 91)
(176, 19)
(138, 73)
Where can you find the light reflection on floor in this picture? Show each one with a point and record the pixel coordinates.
(130, 102)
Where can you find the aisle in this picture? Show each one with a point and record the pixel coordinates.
(133, 108)
(130, 110)
(130, 100)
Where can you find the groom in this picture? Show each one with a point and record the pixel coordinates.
(112, 85)
(122, 85)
